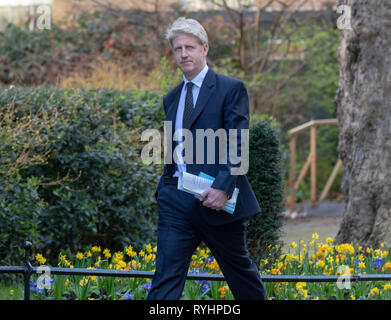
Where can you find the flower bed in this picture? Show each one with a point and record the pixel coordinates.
(312, 258)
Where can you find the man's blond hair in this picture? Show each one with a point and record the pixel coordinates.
(188, 26)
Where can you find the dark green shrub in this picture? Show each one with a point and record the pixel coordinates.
(265, 176)
(20, 210)
(92, 187)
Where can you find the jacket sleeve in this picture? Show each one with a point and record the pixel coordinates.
(236, 116)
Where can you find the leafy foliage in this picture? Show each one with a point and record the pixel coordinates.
(265, 175)
(92, 185)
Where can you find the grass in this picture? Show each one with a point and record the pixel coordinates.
(11, 292)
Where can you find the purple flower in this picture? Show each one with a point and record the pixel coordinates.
(377, 263)
(128, 296)
(205, 286)
(147, 286)
(40, 291)
(33, 285)
(210, 259)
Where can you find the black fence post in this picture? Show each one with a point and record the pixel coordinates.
(28, 270)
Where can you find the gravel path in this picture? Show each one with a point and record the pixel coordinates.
(324, 219)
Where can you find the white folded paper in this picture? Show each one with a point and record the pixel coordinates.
(196, 185)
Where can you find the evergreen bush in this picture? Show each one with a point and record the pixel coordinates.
(266, 178)
(83, 182)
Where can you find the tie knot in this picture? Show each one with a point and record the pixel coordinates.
(189, 85)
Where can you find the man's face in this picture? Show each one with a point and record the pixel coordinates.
(189, 54)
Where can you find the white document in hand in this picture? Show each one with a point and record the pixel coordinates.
(196, 185)
(193, 184)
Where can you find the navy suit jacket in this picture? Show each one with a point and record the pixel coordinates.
(222, 103)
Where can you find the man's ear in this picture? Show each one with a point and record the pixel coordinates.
(206, 49)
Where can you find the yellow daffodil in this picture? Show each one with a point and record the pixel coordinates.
(329, 240)
(320, 264)
(203, 254)
(223, 290)
(133, 263)
(374, 291)
(345, 248)
(300, 285)
(118, 256)
(387, 286)
(40, 258)
(96, 249)
(79, 256)
(330, 259)
(129, 251)
(83, 282)
(107, 253)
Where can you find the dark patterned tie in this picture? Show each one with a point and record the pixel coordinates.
(188, 112)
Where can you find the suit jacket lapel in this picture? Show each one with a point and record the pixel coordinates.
(207, 88)
(206, 91)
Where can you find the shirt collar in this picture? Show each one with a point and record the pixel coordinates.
(199, 78)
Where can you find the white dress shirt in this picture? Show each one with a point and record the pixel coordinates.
(197, 81)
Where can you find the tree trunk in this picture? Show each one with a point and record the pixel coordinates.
(364, 115)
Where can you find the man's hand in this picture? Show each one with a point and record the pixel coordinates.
(213, 198)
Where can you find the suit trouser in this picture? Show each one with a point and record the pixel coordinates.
(181, 230)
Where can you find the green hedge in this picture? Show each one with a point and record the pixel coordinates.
(266, 177)
(91, 187)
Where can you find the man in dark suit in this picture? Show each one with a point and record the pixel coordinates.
(204, 100)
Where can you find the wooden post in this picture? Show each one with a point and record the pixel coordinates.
(313, 164)
(330, 181)
(310, 162)
(292, 174)
(303, 172)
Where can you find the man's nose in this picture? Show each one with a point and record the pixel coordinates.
(184, 53)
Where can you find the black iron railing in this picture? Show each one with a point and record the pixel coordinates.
(28, 270)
